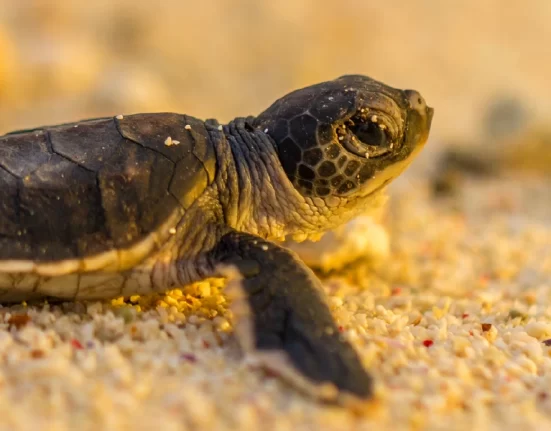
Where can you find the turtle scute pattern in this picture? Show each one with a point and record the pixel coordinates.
(309, 127)
(80, 189)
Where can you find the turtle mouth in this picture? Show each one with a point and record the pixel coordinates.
(381, 186)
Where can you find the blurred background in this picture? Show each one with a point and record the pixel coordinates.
(63, 60)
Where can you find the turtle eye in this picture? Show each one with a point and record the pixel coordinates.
(365, 137)
(370, 134)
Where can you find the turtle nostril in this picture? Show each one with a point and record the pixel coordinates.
(415, 100)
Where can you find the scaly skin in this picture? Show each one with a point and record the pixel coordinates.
(312, 161)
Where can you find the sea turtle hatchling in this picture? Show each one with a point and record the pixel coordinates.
(148, 202)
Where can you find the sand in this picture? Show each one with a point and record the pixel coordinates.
(454, 324)
(454, 327)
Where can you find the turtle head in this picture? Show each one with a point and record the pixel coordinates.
(346, 138)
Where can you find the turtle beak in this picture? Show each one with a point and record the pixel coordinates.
(424, 113)
(430, 113)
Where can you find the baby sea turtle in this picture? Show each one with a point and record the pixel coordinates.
(148, 202)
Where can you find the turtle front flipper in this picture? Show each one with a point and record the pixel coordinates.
(283, 322)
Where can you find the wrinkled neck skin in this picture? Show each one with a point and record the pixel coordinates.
(257, 197)
(251, 193)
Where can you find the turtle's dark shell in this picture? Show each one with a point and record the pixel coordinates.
(145, 203)
(82, 189)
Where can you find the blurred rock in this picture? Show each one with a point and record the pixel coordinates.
(505, 117)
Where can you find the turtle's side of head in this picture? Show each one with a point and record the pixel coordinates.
(347, 137)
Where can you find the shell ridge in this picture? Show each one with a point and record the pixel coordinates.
(53, 150)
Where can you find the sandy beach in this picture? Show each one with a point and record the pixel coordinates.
(455, 325)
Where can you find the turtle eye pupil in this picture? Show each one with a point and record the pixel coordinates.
(370, 134)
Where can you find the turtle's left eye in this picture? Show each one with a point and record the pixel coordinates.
(370, 134)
